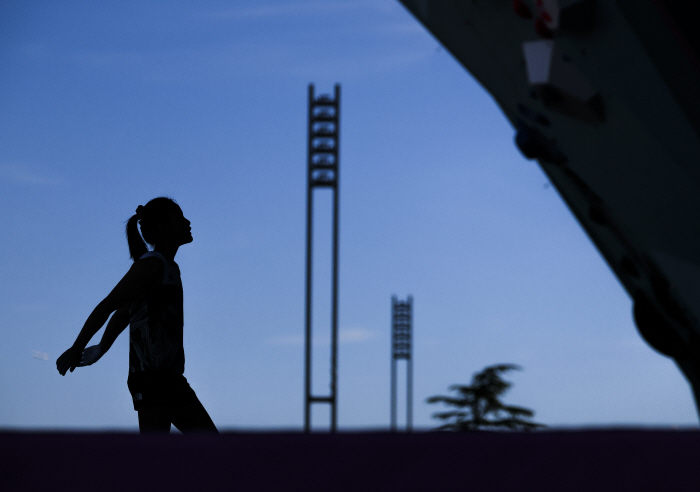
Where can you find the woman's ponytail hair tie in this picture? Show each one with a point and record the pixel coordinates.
(139, 210)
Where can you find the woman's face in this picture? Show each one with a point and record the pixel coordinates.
(180, 230)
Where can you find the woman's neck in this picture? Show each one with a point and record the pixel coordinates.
(167, 250)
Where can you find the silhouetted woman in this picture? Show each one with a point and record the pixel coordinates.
(149, 298)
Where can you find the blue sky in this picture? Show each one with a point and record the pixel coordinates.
(105, 105)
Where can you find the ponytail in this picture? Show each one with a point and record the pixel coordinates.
(137, 247)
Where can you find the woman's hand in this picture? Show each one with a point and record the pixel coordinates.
(91, 355)
(69, 360)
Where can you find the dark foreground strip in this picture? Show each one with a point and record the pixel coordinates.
(553, 460)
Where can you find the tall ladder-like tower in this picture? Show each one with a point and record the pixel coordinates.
(323, 146)
(401, 348)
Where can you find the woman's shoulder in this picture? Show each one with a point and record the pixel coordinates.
(150, 265)
(152, 254)
(167, 271)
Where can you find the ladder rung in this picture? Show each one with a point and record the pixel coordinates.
(321, 399)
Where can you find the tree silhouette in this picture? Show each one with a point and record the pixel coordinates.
(478, 406)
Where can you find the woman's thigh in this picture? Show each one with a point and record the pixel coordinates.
(155, 420)
(193, 417)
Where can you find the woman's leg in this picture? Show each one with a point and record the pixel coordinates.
(155, 420)
(193, 418)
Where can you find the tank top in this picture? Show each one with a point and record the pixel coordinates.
(156, 323)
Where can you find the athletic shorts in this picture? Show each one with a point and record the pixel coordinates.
(153, 389)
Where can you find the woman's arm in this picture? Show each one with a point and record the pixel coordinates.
(143, 275)
(70, 359)
(117, 323)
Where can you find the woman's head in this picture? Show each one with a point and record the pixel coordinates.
(161, 220)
